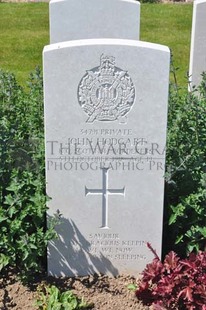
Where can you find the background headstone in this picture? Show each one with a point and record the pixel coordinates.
(105, 122)
(85, 19)
(198, 43)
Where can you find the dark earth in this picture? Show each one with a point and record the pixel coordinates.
(105, 293)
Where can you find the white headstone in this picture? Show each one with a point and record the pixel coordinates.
(106, 116)
(198, 43)
(81, 19)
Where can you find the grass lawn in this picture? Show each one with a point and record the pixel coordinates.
(24, 30)
(169, 24)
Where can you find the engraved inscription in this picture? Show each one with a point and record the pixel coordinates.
(106, 93)
(114, 248)
(105, 191)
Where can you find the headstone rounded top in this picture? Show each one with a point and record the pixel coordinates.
(111, 42)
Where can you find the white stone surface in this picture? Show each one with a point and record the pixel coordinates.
(112, 115)
(198, 43)
(75, 20)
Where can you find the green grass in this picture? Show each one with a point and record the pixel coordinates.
(169, 24)
(24, 30)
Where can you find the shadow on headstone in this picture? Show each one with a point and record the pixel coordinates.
(71, 253)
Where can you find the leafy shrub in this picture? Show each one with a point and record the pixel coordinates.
(23, 236)
(185, 193)
(50, 298)
(174, 284)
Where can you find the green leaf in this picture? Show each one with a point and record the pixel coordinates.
(4, 260)
(12, 211)
(132, 286)
(3, 218)
(179, 239)
(9, 200)
(203, 231)
(172, 219)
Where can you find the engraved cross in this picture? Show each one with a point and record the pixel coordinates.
(105, 191)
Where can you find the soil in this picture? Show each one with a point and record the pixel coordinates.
(102, 292)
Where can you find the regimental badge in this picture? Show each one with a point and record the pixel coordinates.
(106, 93)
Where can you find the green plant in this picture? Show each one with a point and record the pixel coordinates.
(23, 233)
(132, 286)
(23, 236)
(50, 298)
(189, 218)
(175, 283)
(185, 193)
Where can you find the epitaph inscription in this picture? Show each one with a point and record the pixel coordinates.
(104, 191)
(106, 93)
